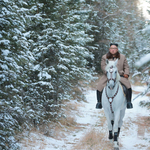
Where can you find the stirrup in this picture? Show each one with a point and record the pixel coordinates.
(99, 105)
(129, 105)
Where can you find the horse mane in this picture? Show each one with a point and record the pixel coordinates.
(110, 64)
(118, 76)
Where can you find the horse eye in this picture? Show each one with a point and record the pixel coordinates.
(115, 71)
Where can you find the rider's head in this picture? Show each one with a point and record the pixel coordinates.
(113, 48)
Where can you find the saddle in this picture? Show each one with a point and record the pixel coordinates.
(125, 90)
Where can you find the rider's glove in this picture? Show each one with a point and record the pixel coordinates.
(126, 76)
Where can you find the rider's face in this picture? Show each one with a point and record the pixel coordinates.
(113, 49)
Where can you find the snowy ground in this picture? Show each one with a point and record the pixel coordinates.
(135, 132)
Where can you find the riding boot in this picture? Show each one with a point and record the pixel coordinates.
(128, 96)
(99, 103)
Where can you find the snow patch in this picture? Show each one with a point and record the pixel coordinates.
(143, 60)
(89, 116)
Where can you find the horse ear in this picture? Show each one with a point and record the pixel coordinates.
(116, 62)
(107, 62)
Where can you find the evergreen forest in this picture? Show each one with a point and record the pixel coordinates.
(51, 49)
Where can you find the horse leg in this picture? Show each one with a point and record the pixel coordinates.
(122, 114)
(110, 132)
(108, 117)
(118, 131)
(110, 135)
(116, 145)
(112, 122)
(116, 121)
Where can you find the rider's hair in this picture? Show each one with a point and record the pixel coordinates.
(114, 44)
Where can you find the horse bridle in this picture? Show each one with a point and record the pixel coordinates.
(112, 98)
(111, 71)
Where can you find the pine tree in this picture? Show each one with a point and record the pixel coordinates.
(14, 57)
(57, 37)
(119, 22)
(142, 56)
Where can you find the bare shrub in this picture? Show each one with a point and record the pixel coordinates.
(94, 139)
(68, 121)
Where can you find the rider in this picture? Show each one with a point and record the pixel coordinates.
(123, 70)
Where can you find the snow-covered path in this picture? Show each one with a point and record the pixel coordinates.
(137, 134)
(134, 134)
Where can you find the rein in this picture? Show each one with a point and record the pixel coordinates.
(111, 71)
(112, 98)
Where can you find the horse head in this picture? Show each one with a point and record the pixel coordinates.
(112, 73)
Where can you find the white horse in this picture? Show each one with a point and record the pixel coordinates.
(113, 102)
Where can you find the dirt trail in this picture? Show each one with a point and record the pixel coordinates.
(134, 135)
(85, 128)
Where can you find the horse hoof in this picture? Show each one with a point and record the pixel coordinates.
(116, 146)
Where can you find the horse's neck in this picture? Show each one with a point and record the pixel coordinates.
(113, 91)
